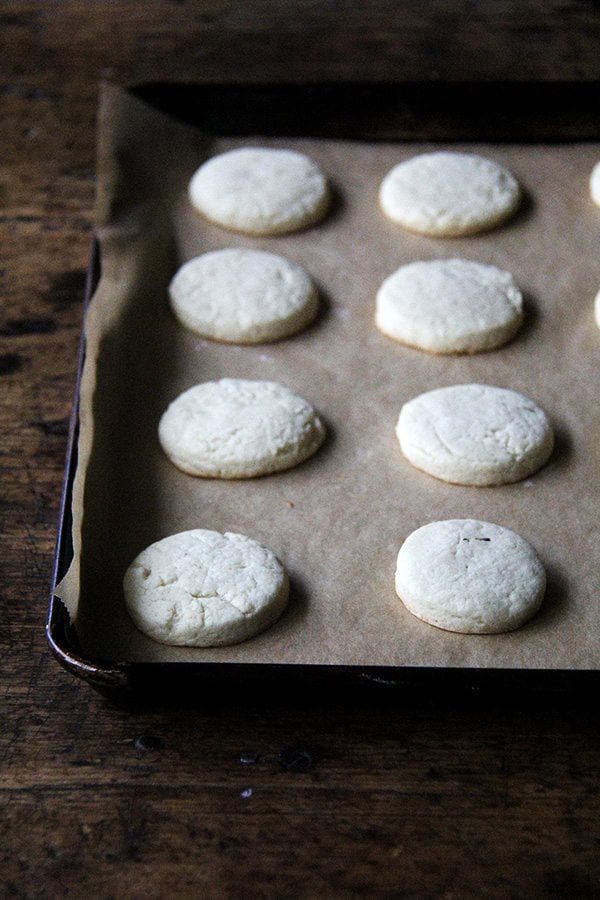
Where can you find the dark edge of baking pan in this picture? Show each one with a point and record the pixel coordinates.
(548, 112)
(557, 111)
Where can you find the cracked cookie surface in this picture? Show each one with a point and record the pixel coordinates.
(260, 191)
(470, 576)
(237, 428)
(243, 296)
(201, 588)
(475, 434)
(449, 306)
(446, 194)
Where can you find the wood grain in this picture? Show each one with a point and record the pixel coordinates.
(211, 796)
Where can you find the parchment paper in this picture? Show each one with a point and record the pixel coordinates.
(338, 520)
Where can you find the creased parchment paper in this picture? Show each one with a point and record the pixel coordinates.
(338, 520)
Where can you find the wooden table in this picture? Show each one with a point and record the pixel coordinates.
(325, 797)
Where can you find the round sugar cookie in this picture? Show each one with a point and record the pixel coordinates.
(595, 184)
(236, 428)
(447, 194)
(475, 434)
(243, 296)
(471, 577)
(449, 306)
(261, 191)
(204, 589)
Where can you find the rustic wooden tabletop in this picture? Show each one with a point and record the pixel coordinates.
(245, 796)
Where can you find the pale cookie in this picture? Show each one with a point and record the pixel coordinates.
(258, 190)
(243, 296)
(448, 194)
(597, 309)
(449, 306)
(595, 184)
(204, 589)
(236, 428)
(471, 577)
(475, 434)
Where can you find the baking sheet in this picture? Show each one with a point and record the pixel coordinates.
(338, 520)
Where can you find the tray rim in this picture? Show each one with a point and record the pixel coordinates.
(125, 677)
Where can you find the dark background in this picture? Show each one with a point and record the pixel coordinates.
(386, 795)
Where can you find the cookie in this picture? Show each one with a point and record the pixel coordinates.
(261, 191)
(235, 428)
(470, 577)
(448, 194)
(597, 309)
(204, 589)
(475, 434)
(449, 306)
(243, 296)
(595, 184)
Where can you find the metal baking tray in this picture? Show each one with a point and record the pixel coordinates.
(483, 112)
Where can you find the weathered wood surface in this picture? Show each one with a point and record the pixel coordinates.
(412, 799)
